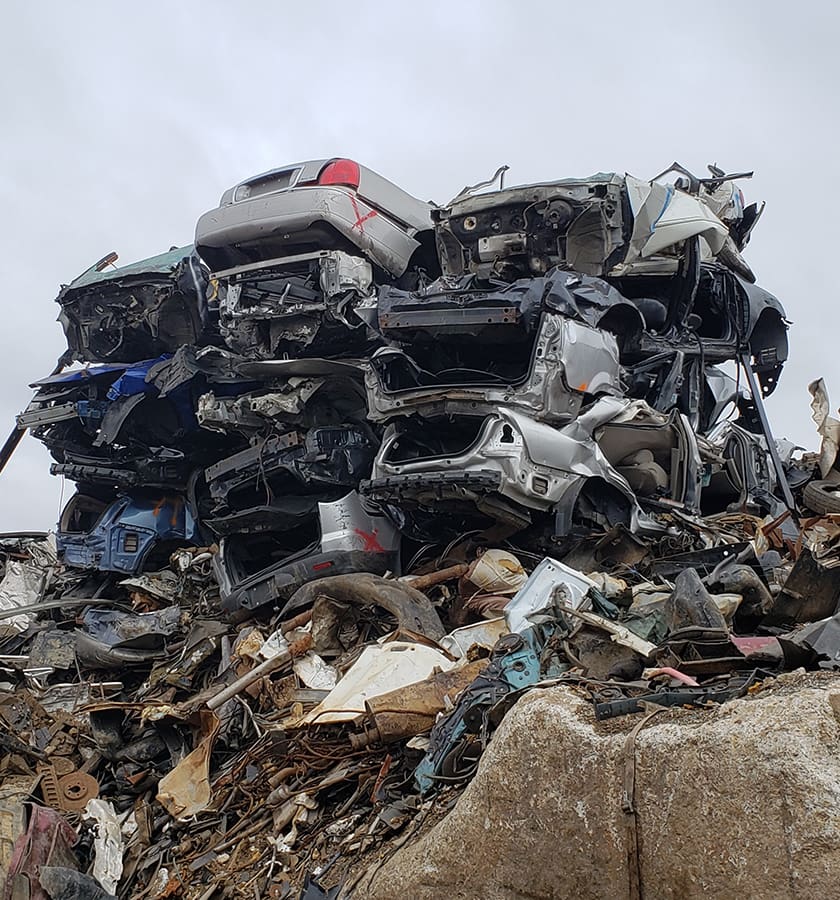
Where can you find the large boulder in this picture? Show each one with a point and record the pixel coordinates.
(742, 800)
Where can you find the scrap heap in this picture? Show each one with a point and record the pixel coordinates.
(354, 472)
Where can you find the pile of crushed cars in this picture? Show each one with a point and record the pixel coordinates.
(354, 471)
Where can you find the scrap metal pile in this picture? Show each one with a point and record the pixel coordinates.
(353, 472)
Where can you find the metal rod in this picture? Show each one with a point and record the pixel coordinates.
(421, 582)
(54, 604)
(16, 435)
(755, 390)
(12, 441)
(265, 668)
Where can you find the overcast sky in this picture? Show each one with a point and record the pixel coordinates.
(122, 123)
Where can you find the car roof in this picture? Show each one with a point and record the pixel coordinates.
(162, 264)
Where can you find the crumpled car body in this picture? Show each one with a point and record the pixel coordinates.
(324, 204)
(122, 535)
(724, 317)
(465, 345)
(300, 302)
(295, 249)
(673, 254)
(470, 347)
(341, 539)
(515, 469)
(601, 225)
(506, 470)
(308, 441)
(292, 462)
(100, 428)
(579, 224)
(117, 424)
(309, 400)
(577, 359)
(138, 311)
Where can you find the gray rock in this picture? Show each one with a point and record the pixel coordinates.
(740, 801)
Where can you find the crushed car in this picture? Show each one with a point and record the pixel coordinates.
(138, 311)
(354, 472)
(292, 251)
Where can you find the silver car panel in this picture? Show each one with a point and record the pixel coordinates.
(347, 525)
(569, 361)
(535, 465)
(36, 414)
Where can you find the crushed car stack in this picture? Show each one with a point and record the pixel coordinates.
(353, 469)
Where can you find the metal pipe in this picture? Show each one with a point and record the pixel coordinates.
(755, 390)
(265, 668)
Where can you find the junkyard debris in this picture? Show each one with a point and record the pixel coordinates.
(356, 473)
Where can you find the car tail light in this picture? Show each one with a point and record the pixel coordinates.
(340, 171)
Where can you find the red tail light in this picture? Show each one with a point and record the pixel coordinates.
(340, 171)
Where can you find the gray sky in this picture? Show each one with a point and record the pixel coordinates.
(124, 122)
